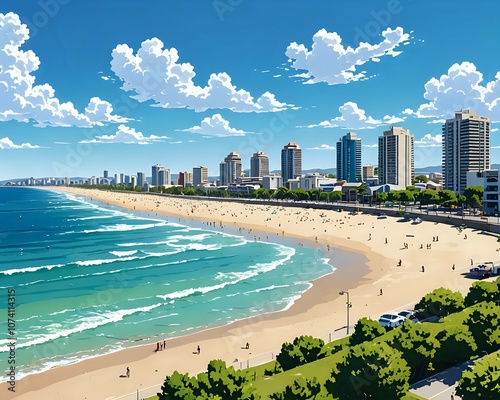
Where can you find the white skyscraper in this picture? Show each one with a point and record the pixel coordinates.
(395, 157)
(466, 147)
(164, 178)
(230, 169)
(259, 164)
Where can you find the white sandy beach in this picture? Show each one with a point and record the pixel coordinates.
(319, 311)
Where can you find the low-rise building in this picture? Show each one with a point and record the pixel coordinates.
(488, 180)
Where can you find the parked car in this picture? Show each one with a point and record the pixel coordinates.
(480, 267)
(408, 315)
(391, 320)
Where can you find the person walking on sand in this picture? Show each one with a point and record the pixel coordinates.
(423, 268)
(128, 372)
(164, 344)
(198, 349)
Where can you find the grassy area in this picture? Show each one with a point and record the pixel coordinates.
(321, 369)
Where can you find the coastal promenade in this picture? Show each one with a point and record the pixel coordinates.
(485, 223)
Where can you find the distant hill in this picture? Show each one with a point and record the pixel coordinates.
(426, 170)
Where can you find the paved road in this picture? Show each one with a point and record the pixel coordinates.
(440, 386)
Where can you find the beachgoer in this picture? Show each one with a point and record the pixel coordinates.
(164, 344)
(399, 263)
(385, 240)
(453, 268)
(128, 372)
(247, 346)
(157, 346)
(198, 349)
(423, 268)
(471, 262)
(381, 292)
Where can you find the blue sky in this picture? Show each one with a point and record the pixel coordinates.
(121, 85)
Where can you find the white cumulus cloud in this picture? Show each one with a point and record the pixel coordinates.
(430, 141)
(322, 147)
(329, 61)
(22, 99)
(354, 118)
(462, 87)
(126, 135)
(6, 143)
(215, 126)
(154, 73)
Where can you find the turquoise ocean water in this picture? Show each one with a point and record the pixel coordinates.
(91, 279)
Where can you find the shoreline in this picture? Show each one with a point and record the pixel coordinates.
(318, 311)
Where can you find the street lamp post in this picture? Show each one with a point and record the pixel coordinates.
(348, 306)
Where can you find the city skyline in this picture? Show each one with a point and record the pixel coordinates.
(129, 87)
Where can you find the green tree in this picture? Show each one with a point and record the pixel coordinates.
(314, 194)
(440, 302)
(418, 346)
(382, 197)
(331, 176)
(261, 193)
(427, 196)
(421, 179)
(483, 322)
(483, 291)
(301, 194)
(179, 387)
(301, 389)
(406, 196)
(282, 193)
(366, 330)
(456, 346)
(335, 196)
(474, 196)
(304, 349)
(393, 196)
(226, 383)
(369, 371)
(447, 198)
(482, 381)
